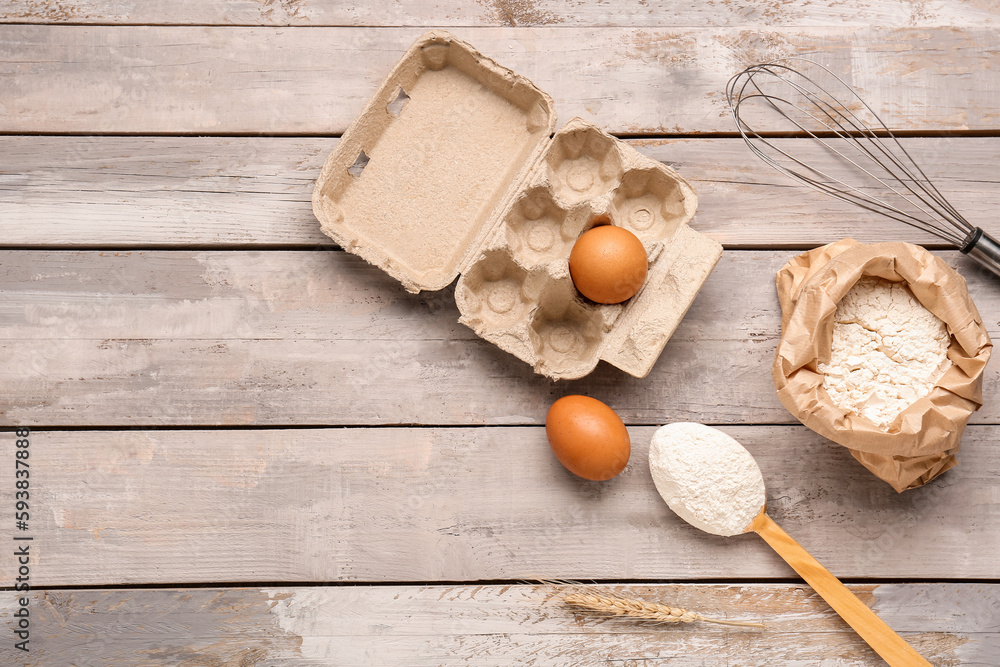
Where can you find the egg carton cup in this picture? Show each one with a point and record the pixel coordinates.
(452, 170)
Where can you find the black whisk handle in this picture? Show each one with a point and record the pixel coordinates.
(983, 248)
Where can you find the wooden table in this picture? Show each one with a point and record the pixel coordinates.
(248, 447)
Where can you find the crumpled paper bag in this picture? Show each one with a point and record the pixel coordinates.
(922, 441)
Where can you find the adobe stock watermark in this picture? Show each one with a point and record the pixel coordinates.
(22, 539)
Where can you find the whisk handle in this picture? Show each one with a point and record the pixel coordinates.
(983, 248)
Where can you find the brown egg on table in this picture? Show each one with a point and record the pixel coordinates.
(608, 264)
(587, 437)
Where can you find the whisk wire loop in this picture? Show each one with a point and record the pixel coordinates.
(869, 147)
(822, 185)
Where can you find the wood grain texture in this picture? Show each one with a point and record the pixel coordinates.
(174, 191)
(445, 474)
(875, 631)
(466, 504)
(953, 624)
(321, 337)
(636, 13)
(139, 79)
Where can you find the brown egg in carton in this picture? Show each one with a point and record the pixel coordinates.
(451, 170)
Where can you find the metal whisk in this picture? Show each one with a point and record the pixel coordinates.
(801, 104)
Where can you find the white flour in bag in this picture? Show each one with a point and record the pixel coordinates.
(706, 477)
(887, 352)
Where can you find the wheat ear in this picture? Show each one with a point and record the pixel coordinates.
(651, 611)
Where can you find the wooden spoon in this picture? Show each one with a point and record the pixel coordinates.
(891, 647)
(712, 482)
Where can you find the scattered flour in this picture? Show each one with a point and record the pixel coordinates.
(888, 351)
(707, 478)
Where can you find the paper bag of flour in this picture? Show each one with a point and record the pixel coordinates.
(922, 441)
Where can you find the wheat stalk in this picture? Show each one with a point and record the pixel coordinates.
(617, 605)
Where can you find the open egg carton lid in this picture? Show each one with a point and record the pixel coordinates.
(452, 169)
(418, 177)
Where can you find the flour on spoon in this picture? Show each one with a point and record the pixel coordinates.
(706, 477)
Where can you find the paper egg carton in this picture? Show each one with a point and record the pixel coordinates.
(451, 170)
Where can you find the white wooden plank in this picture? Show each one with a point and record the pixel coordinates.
(637, 13)
(129, 79)
(465, 504)
(314, 337)
(950, 624)
(174, 191)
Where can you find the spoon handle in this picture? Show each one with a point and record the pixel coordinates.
(890, 646)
